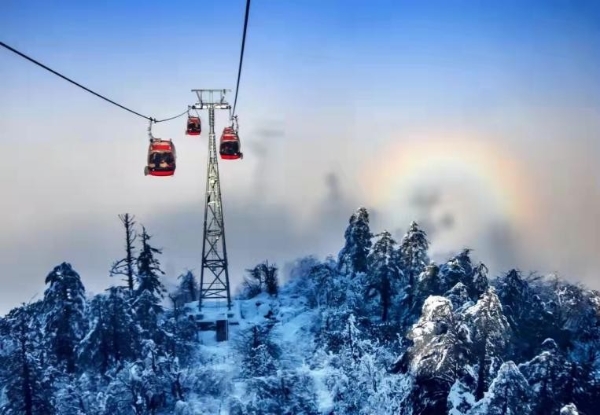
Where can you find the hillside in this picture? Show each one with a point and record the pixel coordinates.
(378, 329)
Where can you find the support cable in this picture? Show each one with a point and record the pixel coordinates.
(84, 88)
(237, 88)
(171, 118)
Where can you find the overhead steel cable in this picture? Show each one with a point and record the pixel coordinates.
(84, 88)
(171, 118)
(237, 88)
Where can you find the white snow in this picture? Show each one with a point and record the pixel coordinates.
(569, 409)
(323, 394)
(459, 398)
(292, 329)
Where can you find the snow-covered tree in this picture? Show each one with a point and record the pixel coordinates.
(456, 334)
(70, 401)
(480, 281)
(414, 256)
(353, 256)
(438, 355)
(490, 334)
(149, 270)
(429, 283)
(28, 391)
(357, 380)
(263, 277)
(113, 334)
(188, 287)
(457, 269)
(150, 289)
(547, 374)
(383, 278)
(148, 311)
(459, 296)
(179, 335)
(253, 282)
(326, 287)
(65, 314)
(569, 409)
(460, 399)
(288, 392)
(525, 312)
(258, 350)
(271, 279)
(508, 394)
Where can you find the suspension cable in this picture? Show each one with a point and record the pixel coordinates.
(237, 88)
(171, 118)
(83, 87)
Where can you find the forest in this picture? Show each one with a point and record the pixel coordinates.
(378, 328)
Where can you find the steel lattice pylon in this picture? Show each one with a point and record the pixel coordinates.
(214, 285)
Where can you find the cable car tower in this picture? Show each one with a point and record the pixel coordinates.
(214, 285)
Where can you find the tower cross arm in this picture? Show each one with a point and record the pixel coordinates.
(213, 105)
(212, 96)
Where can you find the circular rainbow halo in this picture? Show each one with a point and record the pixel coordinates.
(475, 181)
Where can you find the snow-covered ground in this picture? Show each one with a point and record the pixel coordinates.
(292, 330)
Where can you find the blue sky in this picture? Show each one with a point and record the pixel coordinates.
(408, 54)
(339, 82)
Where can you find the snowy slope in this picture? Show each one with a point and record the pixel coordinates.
(292, 331)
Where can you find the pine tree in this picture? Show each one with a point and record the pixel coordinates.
(508, 394)
(413, 260)
(26, 389)
(480, 281)
(458, 269)
(150, 289)
(259, 351)
(263, 277)
(113, 336)
(384, 275)
(179, 335)
(440, 342)
(65, 305)
(414, 253)
(270, 278)
(525, 311)
(149, 271)
(459, 296)
(354, 346)
(429, 283)
(288, 392)
(355, 377)
(253, 283)
(148, 309)
(438, 355)
(490, 333)
(188, 287)
(353, 257)
(326, 287)
(126, 266)
(547, 374)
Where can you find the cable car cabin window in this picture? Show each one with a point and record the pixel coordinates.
(161, 161)
(230, 147)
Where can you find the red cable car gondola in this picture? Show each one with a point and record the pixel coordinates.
(229, 146)
(161, 158)
(194, 126)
